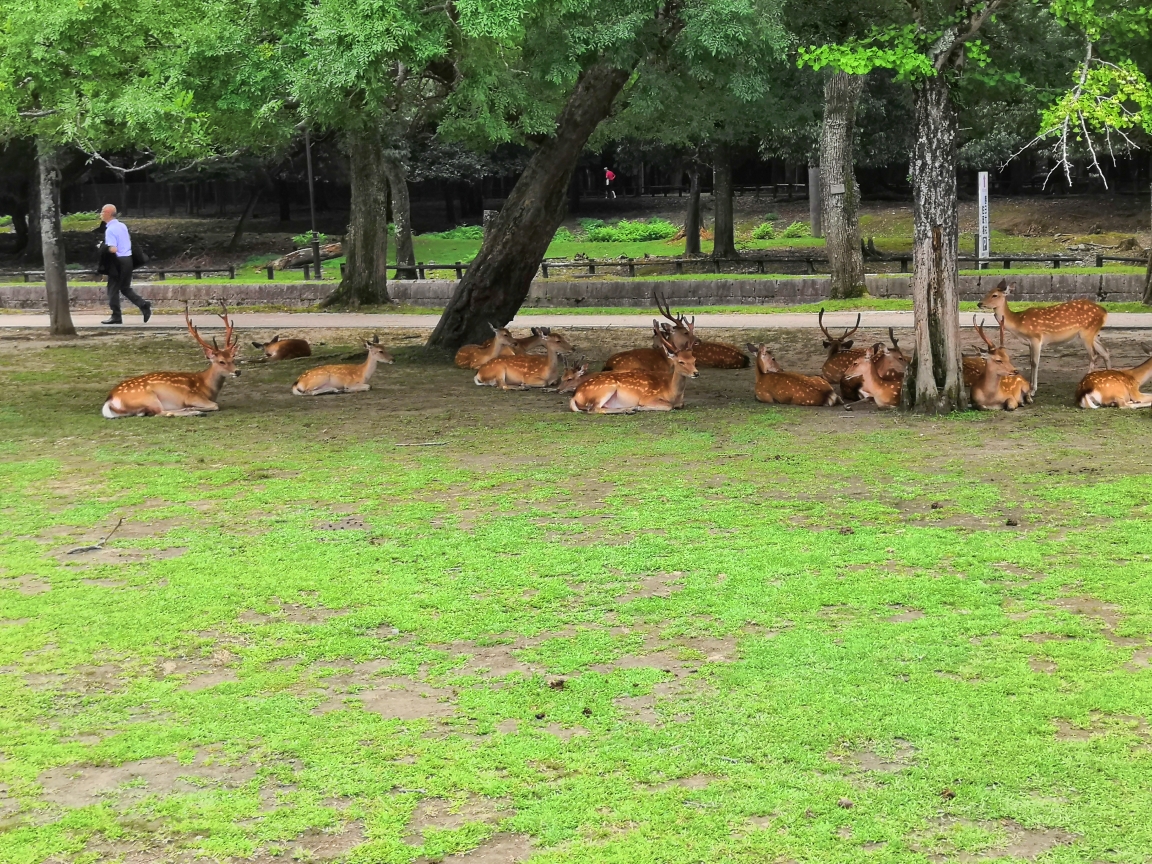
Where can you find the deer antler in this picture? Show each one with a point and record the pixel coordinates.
(195, 333)
(228, 328)
(848, 333)
(979, 329)
(666, 310)
(1000, 321)
(892, 336)
(820, 321)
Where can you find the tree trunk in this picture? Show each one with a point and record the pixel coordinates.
(238, 234)
(840, 193)
(33, 248)
(55, 277)
(692, 220)
(397, 176)
(498, 279)
(934, 381)
(1148, 281)
(284, 199)
(366, 244)
(724, 231)
(20, 227)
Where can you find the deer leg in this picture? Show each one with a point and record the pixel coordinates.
(357, 388)
(1100, 349)
(1087, 401)
(323, 390)
(1034, 356)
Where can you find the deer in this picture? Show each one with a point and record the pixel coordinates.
(885, 392)
(775, 386)
(709, 355)
(523, 371)
(841, 355)
(178, 394)
(284, 349)
(475, 356)
(653, 359)
(626, 392)
(1116, 388)
(573, 375)
(343, 377)
(997, 386)
(1051, 325)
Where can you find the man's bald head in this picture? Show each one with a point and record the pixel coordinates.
(107, 212)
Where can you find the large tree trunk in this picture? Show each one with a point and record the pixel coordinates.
(397, 176)
(724, 244)
(692, 219)
(498, 279)
(366, 244)
(839, 192)
(934, 381)
(55, 277)
(238, 234)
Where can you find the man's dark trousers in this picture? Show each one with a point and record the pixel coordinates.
(120, 282)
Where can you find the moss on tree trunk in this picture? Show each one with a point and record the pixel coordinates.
(366, 243)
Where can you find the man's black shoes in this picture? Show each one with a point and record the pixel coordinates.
(147, 311)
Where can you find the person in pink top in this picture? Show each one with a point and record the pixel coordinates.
(608, 178)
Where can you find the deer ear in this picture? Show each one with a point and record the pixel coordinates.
(276, 338)
(257, 345)
(827, 344)
(844, 346)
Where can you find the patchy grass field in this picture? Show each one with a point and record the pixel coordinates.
(735, 633)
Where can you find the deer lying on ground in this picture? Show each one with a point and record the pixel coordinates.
(573, 375)
(522, 371)
(841, 355)
(1051, 325)
(501, 343)
(634, 390)
(709, 355)
(178, 394)
(1116, 388)
(998, 386)
(342, 377)
(774, 385)
(653, 359)
(885, 392)
(284, 349)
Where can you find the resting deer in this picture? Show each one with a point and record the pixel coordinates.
(522, 371)
(634, 390)
(885, 392)
(1116, 388)
(653, 359)
(1051, 325)
(709, 355)
(475, 356)
(998, 386)
(284, 349)
(178, 394)
(573, 375)
(841, 355)
(774, 385)
(343, 377)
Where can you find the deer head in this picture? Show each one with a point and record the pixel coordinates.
(996, 299)
(765, 362)
(832, 343)
(557, 343)
(682, 359)
(573, 375)
(678, 330)
(223, 360)
(377, 351)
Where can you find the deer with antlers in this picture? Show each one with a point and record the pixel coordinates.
(885, 392)
(775, 386)
(523, 371)
(502, 344)
(343, 377)
(841, 355)
(1116, 388)
(1051, 325)
(709, 355)
(178, 394)
(625, 392)
(993, 382)
(574, 375)
(654, 359)
(284, 349)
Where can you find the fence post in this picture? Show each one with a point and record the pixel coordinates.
(25, 274)
(679, 267)
(1055, 263)
(1007, 263)
(631, 267)
(232, 272)
(1099, 260)
(460, 271)
(199, 274)
(270, 274)
(543, 269)
(716, 265)
(591, 269)
(161, 276)
(419, 269)
(307, 272)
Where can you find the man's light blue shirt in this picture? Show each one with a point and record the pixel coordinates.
(116, 234)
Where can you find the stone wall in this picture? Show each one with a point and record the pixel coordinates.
(1057, 285)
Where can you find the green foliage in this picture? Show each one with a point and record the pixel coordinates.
(764, 231)
(626, 231)
(796, 230)
(462, 232)
(563, 235)
(305, 239)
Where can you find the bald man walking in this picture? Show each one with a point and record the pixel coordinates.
(119, 243)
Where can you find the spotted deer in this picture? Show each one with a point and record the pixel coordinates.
(523, 371)
(998, 386)
(1116, 388)
(625, 392)
(475, 356)
(653, 359)
(709, 355)
(774, 385)
(885, 392)
(284, 349)
(841, 355)
(178, 394)
(574, 374)
(343, 377)
(1051, 325)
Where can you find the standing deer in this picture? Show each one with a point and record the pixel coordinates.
(885, 392)
(343, 377)
(522, 371)
(774, 385)
(475, 356)
(841, 355)
(178, 394)
(997, 386)
(284, 349)
(1051, 325)
(634, 390)
(1116, 388)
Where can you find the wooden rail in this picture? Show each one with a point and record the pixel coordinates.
(160, 275)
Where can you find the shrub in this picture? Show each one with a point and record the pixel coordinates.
(797, 229)
(564, 235)
(5, 221)
(305, 239)
(628, 232)
(764, 231)
(462, 232)
(771, 217)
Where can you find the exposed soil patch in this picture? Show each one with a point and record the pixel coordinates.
(348, 523)
(439, 814)
(497, 849)
(906, 615)
(565, 733)
(493, 661)
(391, 698)
(28, 585)
(1039, 664)
(658, 585)
(902, 756)
(1023, 843)
(113, 555)
(1102, 724)
(696, 781)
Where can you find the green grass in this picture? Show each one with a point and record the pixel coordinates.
(725, 711)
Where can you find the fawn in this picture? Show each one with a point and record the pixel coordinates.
(774, 385)
(342, 377)
(522, 371)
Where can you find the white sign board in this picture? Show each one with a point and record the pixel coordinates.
(984, 232)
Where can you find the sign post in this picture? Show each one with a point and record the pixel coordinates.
(984, 232)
